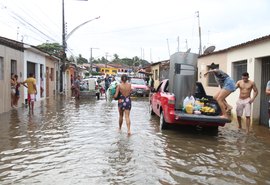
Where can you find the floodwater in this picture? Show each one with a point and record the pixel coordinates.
(77, 142)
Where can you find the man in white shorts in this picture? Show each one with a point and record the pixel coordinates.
(244, 102)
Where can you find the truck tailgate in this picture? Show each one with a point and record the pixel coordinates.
(200, 117)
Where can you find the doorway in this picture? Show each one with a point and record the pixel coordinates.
(264, 99)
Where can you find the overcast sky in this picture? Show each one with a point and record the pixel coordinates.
(148, 29)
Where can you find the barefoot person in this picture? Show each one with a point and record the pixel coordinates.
(227, 86)
(17, 90)
(32, 90)
(77, 87)
(124, 101)
(244, 102)
(13, 89)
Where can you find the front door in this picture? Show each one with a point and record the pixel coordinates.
(264, 99)
(47, 81)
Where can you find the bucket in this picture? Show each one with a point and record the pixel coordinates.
(189, 109)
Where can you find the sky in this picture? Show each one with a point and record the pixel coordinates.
(149, 29)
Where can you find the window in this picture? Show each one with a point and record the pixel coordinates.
(159, 87)
(52, 74)
(211, 79)
(166, 89)
(156, 74)
(14, 66)
(239, 68)
(1, 68)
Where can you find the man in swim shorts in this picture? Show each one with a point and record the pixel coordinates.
(244, 102)
(32, 90)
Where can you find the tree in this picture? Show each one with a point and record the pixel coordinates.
(81, 60)
(72, 59)
(52, 48)
(116, 59)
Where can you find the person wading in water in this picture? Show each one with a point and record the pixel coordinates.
(124, 101)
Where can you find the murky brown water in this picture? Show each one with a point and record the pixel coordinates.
(68, 142)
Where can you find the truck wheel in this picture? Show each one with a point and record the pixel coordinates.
(211, 129)
(151, 110)
(98, 96)
(162, 123)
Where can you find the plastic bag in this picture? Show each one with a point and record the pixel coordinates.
(185, 102)
(188, 100)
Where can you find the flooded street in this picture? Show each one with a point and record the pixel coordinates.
(77, 142)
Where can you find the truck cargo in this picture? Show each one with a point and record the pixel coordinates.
(168, 101)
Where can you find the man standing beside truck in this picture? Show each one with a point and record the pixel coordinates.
(244, 102)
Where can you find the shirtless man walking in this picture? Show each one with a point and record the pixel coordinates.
(244, 102)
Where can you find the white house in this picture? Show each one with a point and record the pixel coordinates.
(252, 57)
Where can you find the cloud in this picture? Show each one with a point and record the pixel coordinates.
(129, 27)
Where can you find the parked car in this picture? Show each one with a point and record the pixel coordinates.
(139, 87)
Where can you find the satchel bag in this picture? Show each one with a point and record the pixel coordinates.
(118, 96)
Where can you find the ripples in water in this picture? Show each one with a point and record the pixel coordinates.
(69, 142)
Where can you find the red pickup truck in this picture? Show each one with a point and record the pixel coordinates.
(162, 103)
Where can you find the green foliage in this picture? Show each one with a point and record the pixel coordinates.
(52, 48)
(81, 60)
(94, 73)
(72, 59)
(86, 73)
(57, 50)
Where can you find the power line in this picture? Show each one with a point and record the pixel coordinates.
(38, 22)
(27, 24)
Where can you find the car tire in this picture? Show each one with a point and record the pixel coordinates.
(151, 110)
(98, 96)
(162, 123)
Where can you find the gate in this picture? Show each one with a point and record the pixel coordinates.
(264, 99)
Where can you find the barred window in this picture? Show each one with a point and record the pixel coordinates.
(211, 78)
(156, 74)
(14, 66)
(1, 68)
(239, 68)
(52, 74)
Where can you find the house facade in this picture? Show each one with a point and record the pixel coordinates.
(252, 57)
(22, 59)
(160, 71)
(50, 80)
(155, 67)
(34, 62)
(11, 61)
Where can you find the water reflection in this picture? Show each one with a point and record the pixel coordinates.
(77, 142)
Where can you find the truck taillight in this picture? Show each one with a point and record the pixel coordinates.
(171, 101)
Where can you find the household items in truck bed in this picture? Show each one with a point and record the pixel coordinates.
(200, 106)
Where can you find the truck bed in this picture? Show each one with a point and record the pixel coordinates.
(200, 117)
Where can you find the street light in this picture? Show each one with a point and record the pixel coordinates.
(72, 31)
(64, 39)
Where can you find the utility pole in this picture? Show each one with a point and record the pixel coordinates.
(63, 58)
(178, 45)
(168, 48)
(64, 42)
(106, 55)
(90, 60)
(200, 39)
